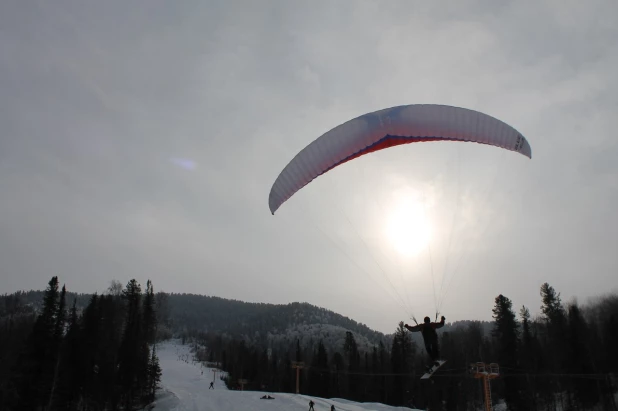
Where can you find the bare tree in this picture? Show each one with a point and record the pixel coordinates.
(115, 288)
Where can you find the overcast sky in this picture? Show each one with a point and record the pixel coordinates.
(141, 139)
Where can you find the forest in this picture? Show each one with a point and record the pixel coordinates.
(96, 352)
(565, 359)
(56, 358)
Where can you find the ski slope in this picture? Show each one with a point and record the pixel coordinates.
(185, 388)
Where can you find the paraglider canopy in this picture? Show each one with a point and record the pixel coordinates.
(387, 128)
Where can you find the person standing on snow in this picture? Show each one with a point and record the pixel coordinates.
(311, 405)
(430, 337)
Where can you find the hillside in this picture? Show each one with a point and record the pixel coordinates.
(256, 321)
(268, 325)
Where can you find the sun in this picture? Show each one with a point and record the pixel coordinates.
(407, 226)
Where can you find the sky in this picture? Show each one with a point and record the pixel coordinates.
(141, 139)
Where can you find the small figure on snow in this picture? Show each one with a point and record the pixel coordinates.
(212, 385)
(430, 337)
(311, 404)
(332, 407)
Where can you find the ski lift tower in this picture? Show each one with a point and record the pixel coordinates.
(485, 372)
(298, 365)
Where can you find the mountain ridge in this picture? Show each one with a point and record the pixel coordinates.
(264, 324)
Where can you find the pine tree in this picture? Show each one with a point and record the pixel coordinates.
(353, 359)
(402, 353)
(339, 365)
(130, 360)
(351, 350)
(552, 305)
(42, 352)
(555, 323)
(147, 339)
(61, 316)
(579, 332)
(57, 342)
(505, 330)
(89, 337)
(164, 322)
(529, 355)
(506, 335)
(610, 342)
(69, 381)
(367, 383)
(524, 314)
(374, 391)
(275, 383)
(318, 372)
(150, 317)
(154, 375)
(383, 367)
(264, 371)
(16, 324)
(299, 354)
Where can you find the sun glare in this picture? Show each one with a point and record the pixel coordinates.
(407, 227)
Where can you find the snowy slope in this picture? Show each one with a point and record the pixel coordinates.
(185, 388)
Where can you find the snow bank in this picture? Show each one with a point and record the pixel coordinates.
(185, 387)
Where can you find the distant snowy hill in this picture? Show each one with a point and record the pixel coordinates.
(265, 324)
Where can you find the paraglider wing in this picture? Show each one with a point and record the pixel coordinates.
(387, 128)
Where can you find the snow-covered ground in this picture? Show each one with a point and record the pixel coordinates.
(185, 387)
